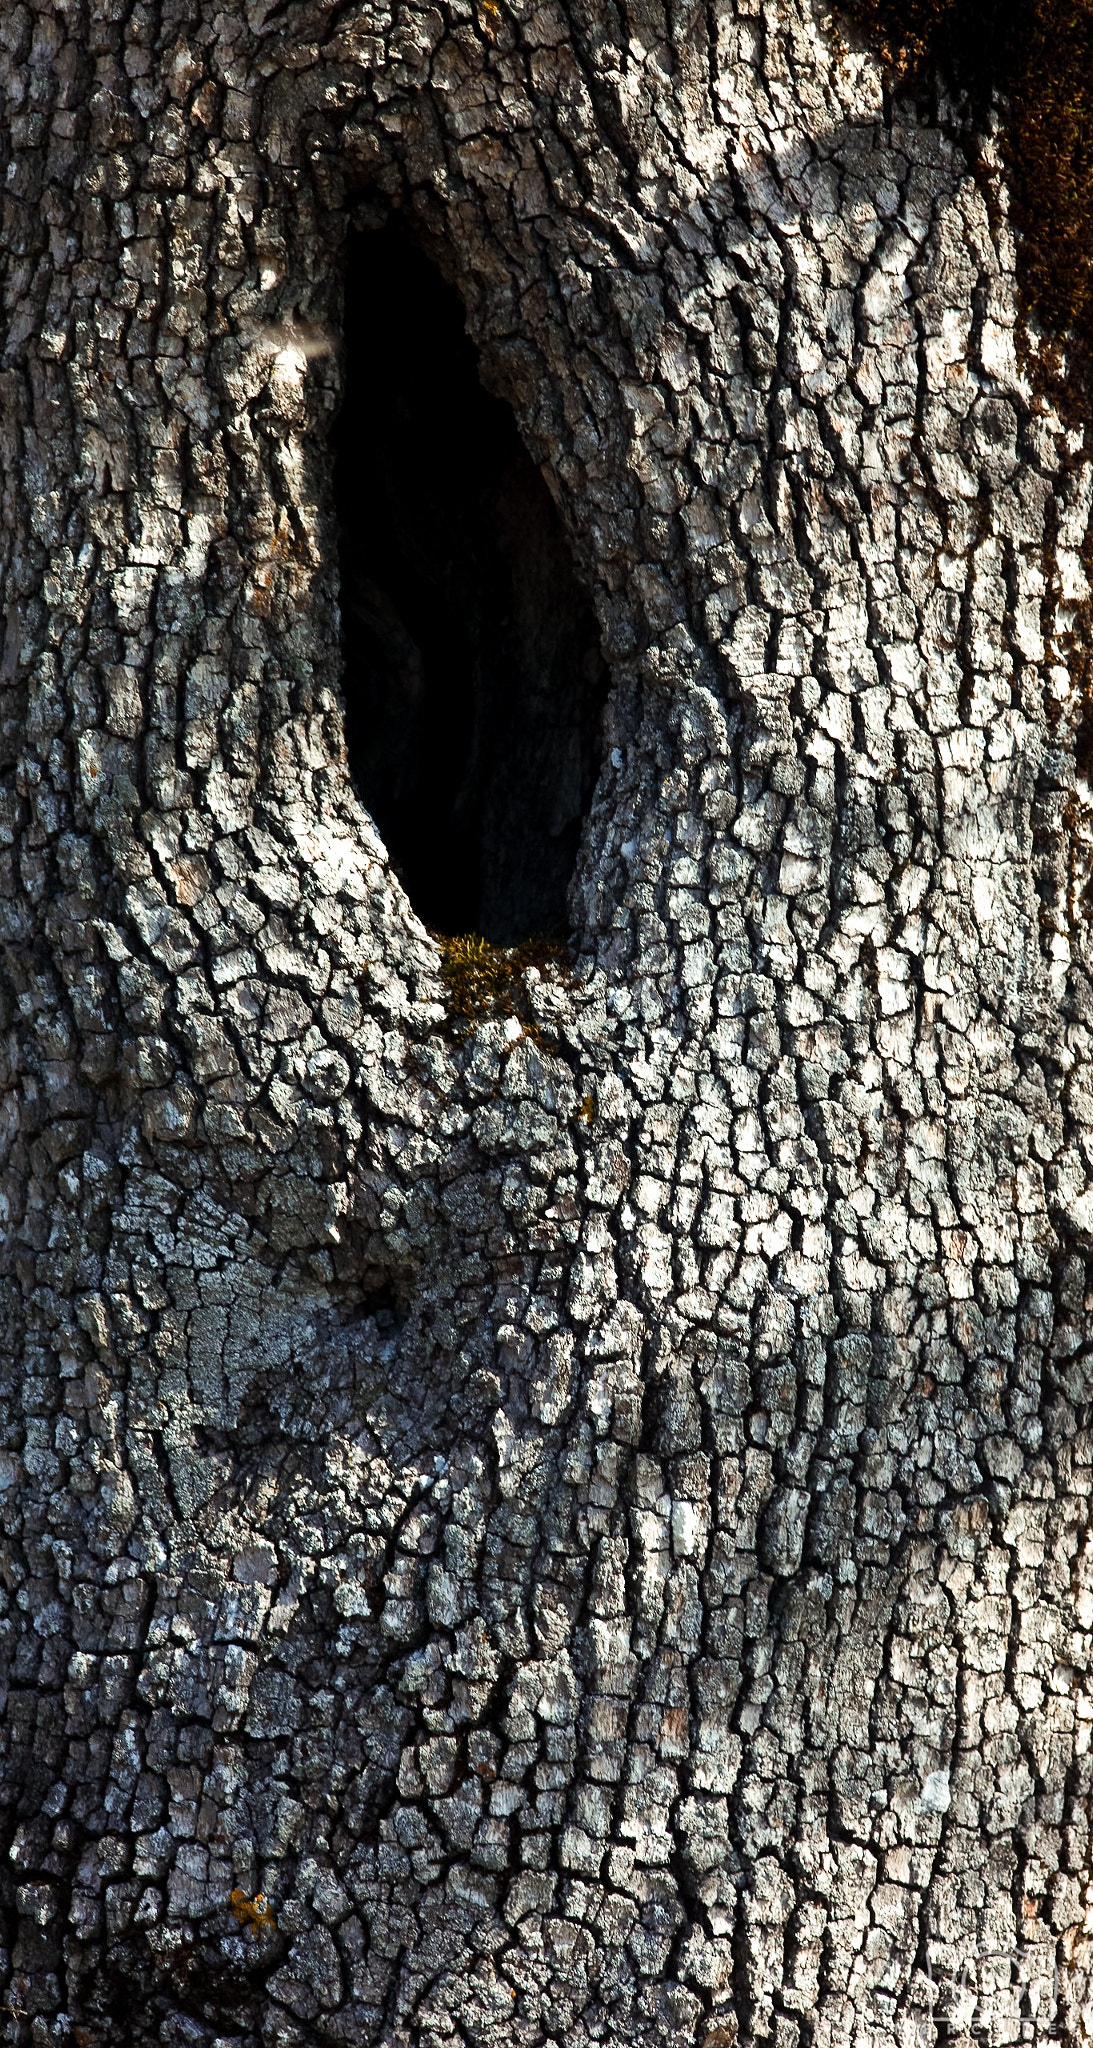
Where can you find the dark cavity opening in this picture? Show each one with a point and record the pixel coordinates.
(473, 679)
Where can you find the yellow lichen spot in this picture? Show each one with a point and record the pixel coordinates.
(587, 1110)
(254, 1915)
(491, 17)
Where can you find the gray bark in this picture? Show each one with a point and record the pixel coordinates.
(675, 1625)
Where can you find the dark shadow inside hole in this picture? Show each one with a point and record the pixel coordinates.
(473, 678)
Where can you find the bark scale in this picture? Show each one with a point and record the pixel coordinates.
(669, 1621)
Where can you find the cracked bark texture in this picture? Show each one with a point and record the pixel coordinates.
(596, 1529)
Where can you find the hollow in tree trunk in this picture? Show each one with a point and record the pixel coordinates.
(565, 1524)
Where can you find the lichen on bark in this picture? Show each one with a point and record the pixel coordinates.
(593, 1531)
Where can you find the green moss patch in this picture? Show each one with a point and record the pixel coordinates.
(485, 981)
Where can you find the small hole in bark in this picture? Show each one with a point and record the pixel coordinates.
(381, 1300)
(473, 679)
(372, 1290)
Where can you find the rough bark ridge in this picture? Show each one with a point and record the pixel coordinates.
(594, 1523)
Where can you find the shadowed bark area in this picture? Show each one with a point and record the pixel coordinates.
(474, 684)
(1034, 59)
(588, 1517)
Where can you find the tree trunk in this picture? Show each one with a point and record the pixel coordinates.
(587, 1514)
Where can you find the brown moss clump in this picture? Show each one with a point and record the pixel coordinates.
(1038, 54)
(485, 981)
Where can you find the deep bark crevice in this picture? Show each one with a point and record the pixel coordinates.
(473, 678)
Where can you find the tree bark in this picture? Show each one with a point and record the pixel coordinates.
(591, 1522)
